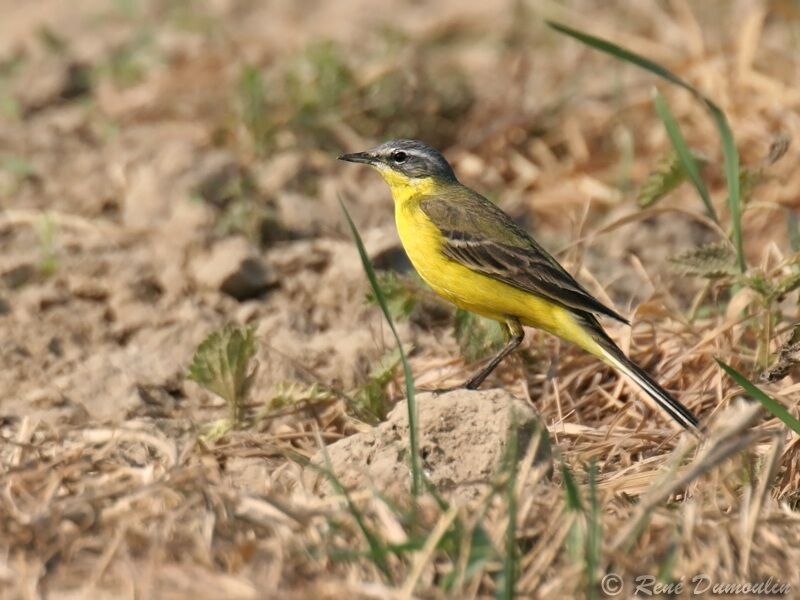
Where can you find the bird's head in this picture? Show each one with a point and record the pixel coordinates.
(406, 164)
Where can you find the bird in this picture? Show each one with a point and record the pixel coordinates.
(473, 254)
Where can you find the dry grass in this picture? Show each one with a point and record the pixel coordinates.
(129, 502)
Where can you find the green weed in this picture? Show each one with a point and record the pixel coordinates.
(295, 394)
(510, 572)
(370, 401)
(772, 405)
(583, 541)
(9, 68)
(478, 337)
(316, 92)
(127, 63)
(685, 156)
(48, 246)
(713, 261)
(19, 170)
(402, 298)
(665, 178)
(223, 364)
(253, 108)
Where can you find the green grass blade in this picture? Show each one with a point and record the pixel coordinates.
(413, 434)
(377, 551)
(621, 53)
(505, 591)
(793, 227)
(593, 533)
(772, 405)
(685, 156)
(571, 489)
(730, 154)
(668, 175)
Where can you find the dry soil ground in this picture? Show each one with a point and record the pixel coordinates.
(167, 167)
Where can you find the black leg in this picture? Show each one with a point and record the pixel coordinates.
(516, 335)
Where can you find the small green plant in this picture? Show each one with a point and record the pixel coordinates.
(191, 16)
(223, 364)
(409, 298)
(667, 176)
(401, 298)
(240, 206)
(793, 229)
(773, 406)
(127, 63)
(9, 68)
(308, 96)
(718, 262)
(317, 82)
(253, 108)
(685, 156)
(574, 504)
(477, 336)
(370, 402)
(294, 394)
(510, 572)
(713, 261)
(583, 541)
(48, 246)
(18, 170)
(127, 9)
(52, 41)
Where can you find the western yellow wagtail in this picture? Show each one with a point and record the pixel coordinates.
(474, 255)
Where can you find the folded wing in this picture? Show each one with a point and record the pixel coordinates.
(480, 236)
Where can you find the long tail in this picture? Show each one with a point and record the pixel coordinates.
(617, 359)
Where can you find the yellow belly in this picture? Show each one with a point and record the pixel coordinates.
(466, 288)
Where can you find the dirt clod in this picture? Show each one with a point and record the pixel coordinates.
(232, 267)
(464, 439)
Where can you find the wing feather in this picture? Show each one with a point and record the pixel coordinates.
(505, 252)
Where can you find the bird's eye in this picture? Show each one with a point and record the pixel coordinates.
(399, 156)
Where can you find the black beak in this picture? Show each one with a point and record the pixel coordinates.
(358, 157)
